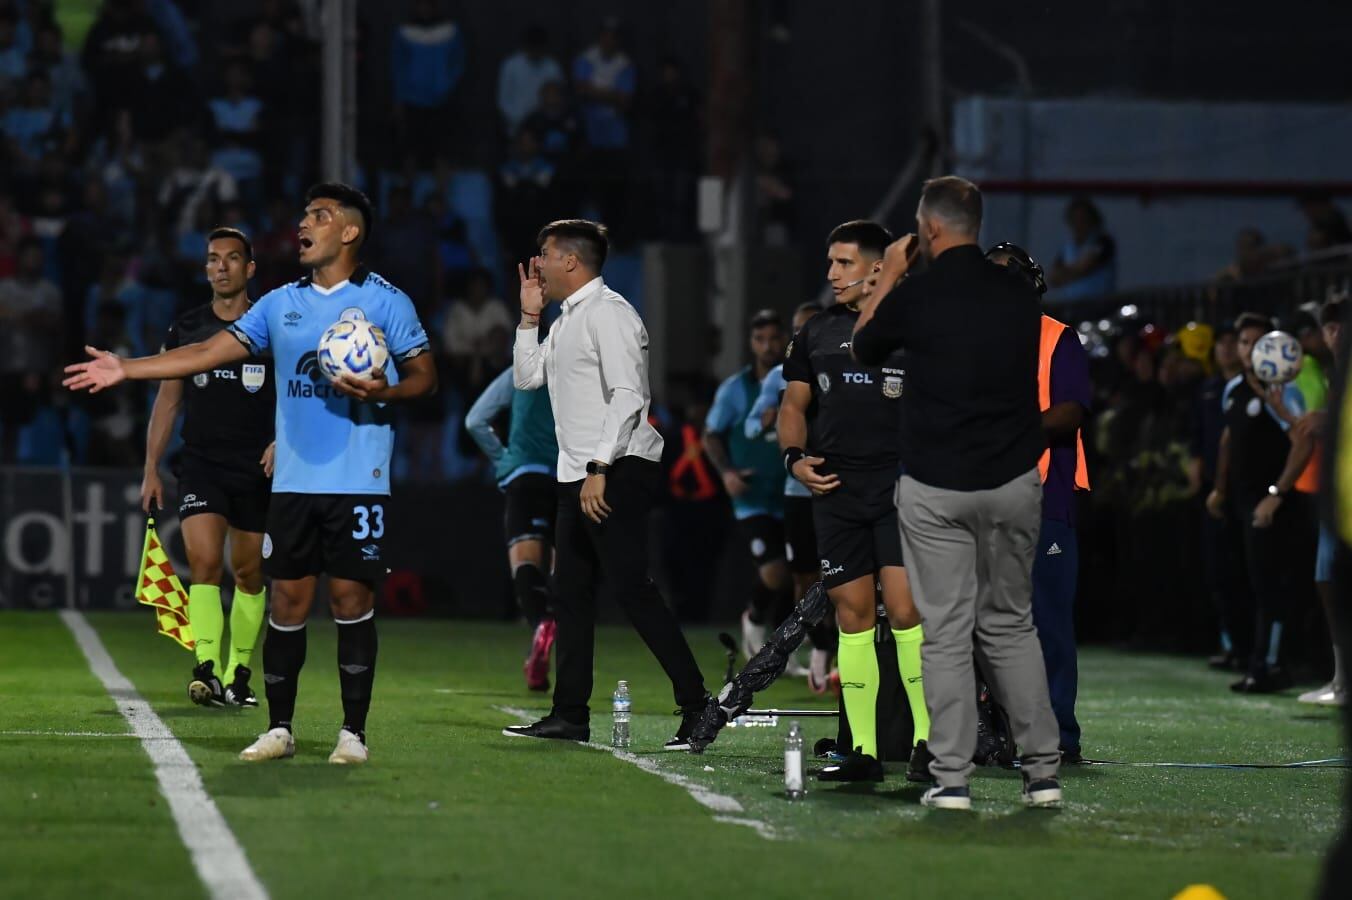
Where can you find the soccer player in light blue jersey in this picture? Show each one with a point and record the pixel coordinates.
(800, 538)
(334, 442)
(751, 470)
(525, 468)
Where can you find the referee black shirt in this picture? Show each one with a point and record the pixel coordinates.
(852, 422)
(970, 330)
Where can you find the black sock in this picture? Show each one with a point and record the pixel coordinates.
(283, 657)
(357, 670)
(532, 592)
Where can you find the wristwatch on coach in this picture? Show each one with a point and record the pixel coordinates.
(596, 468)
(1274, 491)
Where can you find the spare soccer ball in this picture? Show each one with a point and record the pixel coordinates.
(1276, 357)
(353, 347)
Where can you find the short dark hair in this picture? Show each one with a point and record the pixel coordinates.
(955, 200)
(348, 197)
(589, 240)
(1332, 312)
(1253, 320)
(869, 236)
(227, 232)
(766, 318)
(1092, 211)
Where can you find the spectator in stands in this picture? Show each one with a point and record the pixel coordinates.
(774, 192)
(113, 55)
(527, 195)
(13, 60)
(14, 226)
(556, 124)
(522, 76)
(454, 252)
(34, 126)
(237, 118)
(69, 84)
(194, 180)
(427, 61)
(605, 80)
(1327, 225)
(675, 116)
(178, 34)
(1086, 266)
(403, 248)
(276, 246)
(30, 330)
(163, 99)
(118, 159)
(113, 414)
(1253, 256)
(476, 335)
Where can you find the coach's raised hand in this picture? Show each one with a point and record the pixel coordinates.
(532, 293)
(104, 370)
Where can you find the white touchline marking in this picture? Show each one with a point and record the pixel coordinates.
(67, 734)
(217, 856)
(710, 799)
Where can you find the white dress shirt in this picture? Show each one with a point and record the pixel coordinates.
(595, 363)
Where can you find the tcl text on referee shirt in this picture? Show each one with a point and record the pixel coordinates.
(595, 364)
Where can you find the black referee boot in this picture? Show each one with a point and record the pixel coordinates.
(238, 692)
(205, 688)
(856, 766)
(917, 770)
(691, 716)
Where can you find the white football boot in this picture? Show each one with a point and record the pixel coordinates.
(349, 751)
(274, 744)
(753, 636)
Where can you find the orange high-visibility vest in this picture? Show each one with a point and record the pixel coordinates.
(691, 467)
(1051, 333)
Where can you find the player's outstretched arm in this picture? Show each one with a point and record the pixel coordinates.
(104, 369)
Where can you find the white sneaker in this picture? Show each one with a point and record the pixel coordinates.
(349, 750)
(1330, 694)
(753, 636)
(275, 744)
(819, 671)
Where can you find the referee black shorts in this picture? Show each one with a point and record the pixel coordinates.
(235, 492)
(341, 535)
(857, 529)
(800, 536)
(532, 505)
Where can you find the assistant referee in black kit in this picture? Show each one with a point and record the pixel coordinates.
(970, 501)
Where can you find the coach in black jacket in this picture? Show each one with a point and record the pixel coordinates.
(970, 501)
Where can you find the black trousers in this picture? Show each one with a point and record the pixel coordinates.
(611, 559)
(1280, 565)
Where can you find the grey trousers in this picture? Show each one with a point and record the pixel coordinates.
(969, 555)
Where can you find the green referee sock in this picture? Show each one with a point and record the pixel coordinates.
(858, 663)
(246, 618)
(207, 621)
(912, 678)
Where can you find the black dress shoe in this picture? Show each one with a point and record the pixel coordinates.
(551, 727)
(691, 717)
(855, 766)
(917, 769)
(1267, 682)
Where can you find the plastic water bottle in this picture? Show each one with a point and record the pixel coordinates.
(793, 762)
(619, 708)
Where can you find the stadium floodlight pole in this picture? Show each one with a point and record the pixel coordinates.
(338, 29)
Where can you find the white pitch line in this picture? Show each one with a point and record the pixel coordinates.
(107, 734)
(706, 797)
(217, 856)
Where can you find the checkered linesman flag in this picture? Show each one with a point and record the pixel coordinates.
(158, 586)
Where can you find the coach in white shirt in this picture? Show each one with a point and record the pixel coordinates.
(595, 364)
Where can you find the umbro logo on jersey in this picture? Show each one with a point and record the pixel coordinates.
(1054, 549)
(293, 316)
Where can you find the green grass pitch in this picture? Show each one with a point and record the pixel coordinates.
(450, 808)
